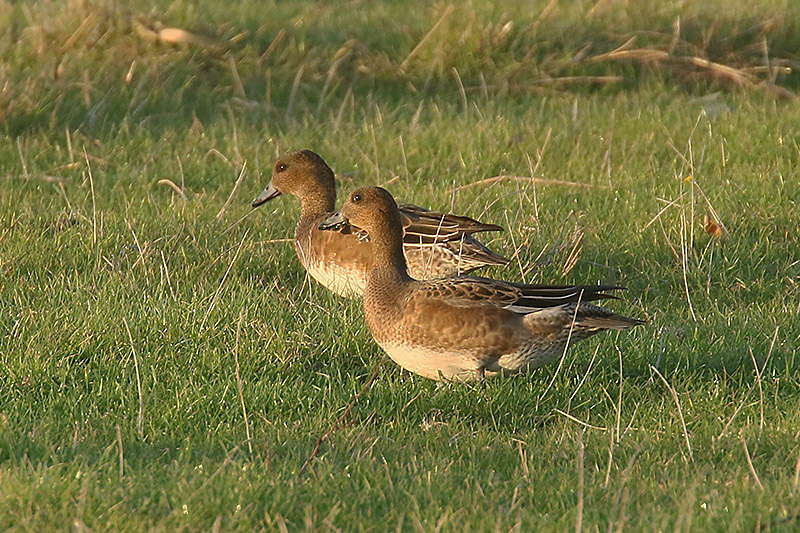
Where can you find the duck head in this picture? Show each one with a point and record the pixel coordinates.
(303, 174)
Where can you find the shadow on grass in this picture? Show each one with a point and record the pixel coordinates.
(101, 69)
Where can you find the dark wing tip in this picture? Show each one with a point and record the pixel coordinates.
(541, 296)
(427, 222)
(599, 292)
(481, 226)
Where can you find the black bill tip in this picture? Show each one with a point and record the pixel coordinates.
(267, 194)
(336, 221)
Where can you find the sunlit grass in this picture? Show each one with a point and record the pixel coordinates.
(92, 236)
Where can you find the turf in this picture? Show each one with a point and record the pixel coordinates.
(121, 293)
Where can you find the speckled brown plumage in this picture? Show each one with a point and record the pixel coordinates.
(436, 245)
(466, 327)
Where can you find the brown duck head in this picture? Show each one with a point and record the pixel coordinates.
(303, 174)
(372, 209)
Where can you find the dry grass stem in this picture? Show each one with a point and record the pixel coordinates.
(724, 71)
(796, 482)
(94, 202)
(760, 392)
(619, 397)
(563, 80)
(743, 77)
(585, 375)
(14, 220)
(680, 411)
(77, 34)
(414, 51)
(523, 458)
(276, 41)
(239, 221)
(611, 446)
(579, 517)
(342, 54)
(550, 9)
(169, 183)
(222, 282)
(239, 383)
(121, 454)
(675, 253)
(753, 386)
(166, 273)
(141, 258)
(685, 265)
(274, 241)
(644, 55)
(22, 158)
(763, 69)
(750, 465)
(517, 249)
(574, 253)
(140, 416)
(633, 417)
(390, 181)
(295, 85)
(461, 89)
(242, 173)
(566, 347)
(504, 177)
(175, 36)
(220, 155)
(579, 421)
(533, 170)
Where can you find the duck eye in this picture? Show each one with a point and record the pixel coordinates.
(356, 198)
(281, 167)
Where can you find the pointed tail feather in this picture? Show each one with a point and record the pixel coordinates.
(609, 321)
(588, 320)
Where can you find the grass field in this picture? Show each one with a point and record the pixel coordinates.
(166, 364)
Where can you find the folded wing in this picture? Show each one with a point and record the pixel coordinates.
(518, 297)
(429, 227)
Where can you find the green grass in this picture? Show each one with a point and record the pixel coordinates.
(83, 253)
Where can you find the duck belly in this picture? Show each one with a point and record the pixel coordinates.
(433, 364)
(337, 278)
(442, 365)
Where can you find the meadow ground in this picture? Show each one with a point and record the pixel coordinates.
(166, 364)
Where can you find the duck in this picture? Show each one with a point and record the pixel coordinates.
(436, 245)
(464, 328)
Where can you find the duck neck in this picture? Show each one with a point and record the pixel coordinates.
(317, 202)
(387, 253)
